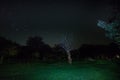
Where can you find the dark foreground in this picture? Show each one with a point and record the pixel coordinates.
(96, 70)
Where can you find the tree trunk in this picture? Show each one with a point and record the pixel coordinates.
(69, 57)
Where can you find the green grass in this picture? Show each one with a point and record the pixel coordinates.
(97, 70)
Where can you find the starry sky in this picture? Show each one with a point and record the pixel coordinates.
(54, 19)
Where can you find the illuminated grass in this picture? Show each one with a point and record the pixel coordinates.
(60, 71)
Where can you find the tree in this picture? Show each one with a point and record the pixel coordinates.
(35, 42)
(7, 49)
(112, 26)
(66, 44)
(38, 48)
(112, 29)
(59, 53)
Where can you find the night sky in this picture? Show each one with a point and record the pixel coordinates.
(53, 20)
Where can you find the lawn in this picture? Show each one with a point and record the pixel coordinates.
(96, 70)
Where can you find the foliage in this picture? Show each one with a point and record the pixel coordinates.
(38, 51)
(7, 49)
(111, 28)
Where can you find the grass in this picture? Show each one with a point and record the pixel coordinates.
(97, 70)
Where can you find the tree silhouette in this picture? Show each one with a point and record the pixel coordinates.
(59, 53)
(35, 42)
(112, 29)
(38, 48)
(7, 49)
(112, 26)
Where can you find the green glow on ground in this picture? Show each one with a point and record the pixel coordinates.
(60, 71)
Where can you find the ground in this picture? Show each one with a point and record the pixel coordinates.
(89, 70)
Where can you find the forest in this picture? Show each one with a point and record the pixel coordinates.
(36, 50)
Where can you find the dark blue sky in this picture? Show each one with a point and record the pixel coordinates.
(53, 19)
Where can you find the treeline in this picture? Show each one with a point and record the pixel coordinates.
(36, 50)
(93, 52)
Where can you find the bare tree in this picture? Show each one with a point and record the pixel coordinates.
(66, 44)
